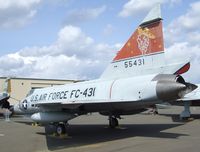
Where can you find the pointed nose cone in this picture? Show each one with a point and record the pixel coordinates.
(189, 88)
(179, 86)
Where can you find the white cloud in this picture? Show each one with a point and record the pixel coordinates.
(182, 37)
(194, 36)
(74, 55)
(191, 20)
(184, 51)
(71, 40)
(108, 30)
(8, 62)
(135, 7)
(17, 13)
(82, 15)
(185, 27)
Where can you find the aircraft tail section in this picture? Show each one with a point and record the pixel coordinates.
(146, 40)
(143, 53)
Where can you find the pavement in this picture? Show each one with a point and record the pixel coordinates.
(139, 133)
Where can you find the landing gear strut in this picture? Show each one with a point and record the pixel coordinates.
(113, 122)
(186, 112)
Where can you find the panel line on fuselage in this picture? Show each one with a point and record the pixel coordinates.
(110, 94)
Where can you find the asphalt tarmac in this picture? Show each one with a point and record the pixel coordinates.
(137, 133)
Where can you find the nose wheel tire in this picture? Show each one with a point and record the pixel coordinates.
(113, 122)
(60, 129)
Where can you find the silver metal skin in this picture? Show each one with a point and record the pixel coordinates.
(169, 90)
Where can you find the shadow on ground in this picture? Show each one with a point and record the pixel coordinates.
(176, 117)
(83, 135)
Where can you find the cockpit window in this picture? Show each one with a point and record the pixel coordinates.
(30, 92)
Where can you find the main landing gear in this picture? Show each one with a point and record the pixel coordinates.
(60, 128)
(186, 112)
(113, 122)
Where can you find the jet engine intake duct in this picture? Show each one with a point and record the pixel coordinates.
(170, 87)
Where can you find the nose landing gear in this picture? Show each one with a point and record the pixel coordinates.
(60, 128)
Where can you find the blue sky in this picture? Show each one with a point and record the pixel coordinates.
(35, 31)
(51, 16)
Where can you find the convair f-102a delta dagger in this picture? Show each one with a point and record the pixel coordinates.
(137, 78)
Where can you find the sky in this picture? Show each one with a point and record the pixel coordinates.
(76, 39)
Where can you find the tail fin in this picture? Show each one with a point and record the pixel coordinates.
(146, 40)
(143, 53)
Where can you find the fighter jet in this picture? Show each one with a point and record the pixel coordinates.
(137, 78)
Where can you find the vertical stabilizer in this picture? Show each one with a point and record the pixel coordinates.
(155, 13)
(144, 50)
